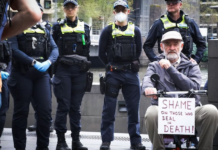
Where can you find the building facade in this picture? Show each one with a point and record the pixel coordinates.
(49, 9)
(209, 16)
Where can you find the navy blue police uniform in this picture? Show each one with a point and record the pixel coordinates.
(26, 82)
(119, 47)
(188, 29)
(33, 127)
(69, 82)
(5, 65)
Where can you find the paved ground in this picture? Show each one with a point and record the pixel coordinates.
(90, 139)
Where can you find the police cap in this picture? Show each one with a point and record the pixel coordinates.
(70, 1)
(123, 3)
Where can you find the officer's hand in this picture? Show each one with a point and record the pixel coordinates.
(4, 75)
(193, 61)
(37, 65)
(164, 63)
(44, 66)
(150, 91)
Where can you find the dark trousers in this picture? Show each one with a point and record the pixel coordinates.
(69, 87)
(34, 107)
(131, 92)
(5, 105)
(24, 87)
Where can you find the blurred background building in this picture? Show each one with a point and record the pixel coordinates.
(209, 17)
(140, 12)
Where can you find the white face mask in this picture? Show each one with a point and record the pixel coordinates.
(121, 17)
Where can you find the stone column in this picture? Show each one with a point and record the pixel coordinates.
(213, 78)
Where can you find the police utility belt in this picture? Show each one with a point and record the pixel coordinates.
(84, 65)
(134, 66)
(5, 54)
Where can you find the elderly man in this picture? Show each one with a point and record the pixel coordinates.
(177, 73)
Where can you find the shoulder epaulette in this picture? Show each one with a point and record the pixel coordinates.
(61, 22)
(162, 16)
(59, 19)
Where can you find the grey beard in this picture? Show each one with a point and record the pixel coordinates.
(172, 56)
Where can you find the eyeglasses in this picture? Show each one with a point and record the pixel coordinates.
(70, 7)
(172, 2)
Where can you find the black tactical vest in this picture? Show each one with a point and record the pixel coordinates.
(121, 45)
(72, 40)
(34, 42)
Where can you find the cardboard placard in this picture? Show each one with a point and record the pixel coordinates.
(176, 116)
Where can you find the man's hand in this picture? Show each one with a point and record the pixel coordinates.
(28, 14)
(193, 61)
(165, 64)
(149, 91)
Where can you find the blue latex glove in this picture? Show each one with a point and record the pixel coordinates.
(37, 65)
(44, 66)
(4, 75)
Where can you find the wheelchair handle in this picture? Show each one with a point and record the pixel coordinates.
(194, 92)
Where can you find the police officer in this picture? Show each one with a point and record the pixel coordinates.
(176, 19)
(73, 39)
(5, 68)
(120, 47)
(33, 52)
(33, 127)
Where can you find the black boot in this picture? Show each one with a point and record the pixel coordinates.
(32, 127)
(138, 147)
(62, 145)
(105, 146)
(76, 144)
